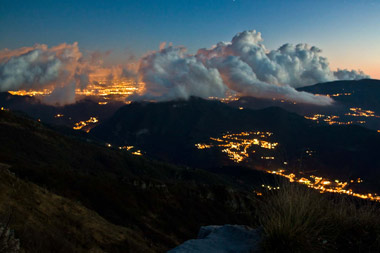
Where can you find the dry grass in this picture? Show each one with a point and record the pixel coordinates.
(45, 222)
(298, 219)
(8, 242)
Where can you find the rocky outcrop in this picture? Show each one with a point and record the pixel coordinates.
(227, 238)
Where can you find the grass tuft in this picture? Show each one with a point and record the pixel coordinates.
(298, 219)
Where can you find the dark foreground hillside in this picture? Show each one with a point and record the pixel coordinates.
(46, 222)
(70, 196)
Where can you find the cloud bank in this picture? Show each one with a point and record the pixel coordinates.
(62, 69)
(243, 66)
(171, 74)
(344, 74)
(39, 67)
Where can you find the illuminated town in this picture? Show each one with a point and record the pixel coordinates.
(325, 185)
(333, 119)
(117, 90)
(31, 93)
(131, 149)
(359, 112)
(239, 146)
(335, 94)
(104, 90)
(329, 119)
(85, 124)
(229, 97)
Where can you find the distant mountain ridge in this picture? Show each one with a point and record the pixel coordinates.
(66, 115)
(362, 94)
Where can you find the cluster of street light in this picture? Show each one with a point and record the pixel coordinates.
(131, 149)
(335, 94)
(325, 185)
(238, 146)
(104, 90)
(82, 124)
(359, 112)
(116, 90)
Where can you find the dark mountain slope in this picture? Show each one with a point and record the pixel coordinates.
(364, 93)
(163, 203)
(176, 126)
(170, 130)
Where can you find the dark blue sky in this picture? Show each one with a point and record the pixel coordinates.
(347, 31)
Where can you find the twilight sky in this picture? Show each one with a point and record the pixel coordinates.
(348, 32)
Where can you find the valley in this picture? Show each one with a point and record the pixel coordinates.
(119, 159)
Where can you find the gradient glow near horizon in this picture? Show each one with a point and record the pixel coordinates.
(348, 32)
